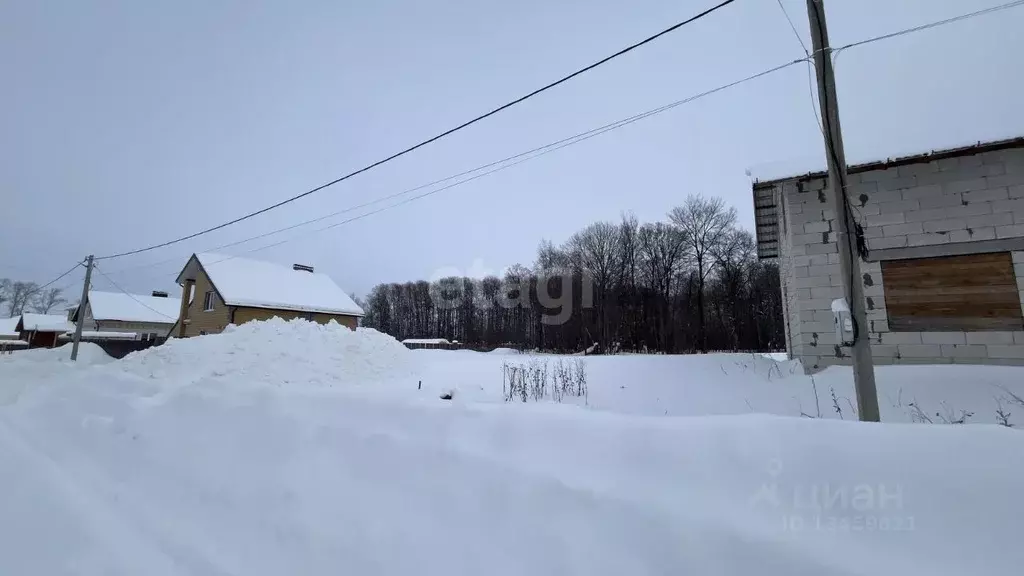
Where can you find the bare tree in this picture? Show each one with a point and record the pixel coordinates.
(5, 290)
(643, 277)
(706, 223)
(44, 301)
(732, 257)
(549, 257)
(594, 251)
(20, 294)
(662, 253)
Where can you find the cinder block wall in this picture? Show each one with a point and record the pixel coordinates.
(954, 200)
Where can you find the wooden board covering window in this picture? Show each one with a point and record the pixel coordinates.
(971, 292)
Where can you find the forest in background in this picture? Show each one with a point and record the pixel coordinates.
(688, 284)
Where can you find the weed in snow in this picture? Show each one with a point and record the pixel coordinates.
(534, 381)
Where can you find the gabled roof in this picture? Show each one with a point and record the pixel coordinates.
(44, 323)
(133, 308)
(7, 327)
(258, 284)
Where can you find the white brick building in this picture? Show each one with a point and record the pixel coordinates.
(942, 256)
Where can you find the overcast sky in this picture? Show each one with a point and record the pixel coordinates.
(124, 123)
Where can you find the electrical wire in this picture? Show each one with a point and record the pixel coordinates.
(495, 166)
(810, 66)
(58, 278)
(793, 27)
(634, 118)
(936, 24)
(95, 267)
(448, 132)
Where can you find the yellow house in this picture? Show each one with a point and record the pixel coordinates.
(217, 290)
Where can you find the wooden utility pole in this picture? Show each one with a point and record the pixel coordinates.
(82, 305)
(849, 257)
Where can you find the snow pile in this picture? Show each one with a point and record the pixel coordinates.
(277, 352)
(88, 355)
(302, 481)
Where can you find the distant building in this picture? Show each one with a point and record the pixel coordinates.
(941, 251)
(218, 290)
(10, 338)
(429, 343)
(42, 330)
(148, 317)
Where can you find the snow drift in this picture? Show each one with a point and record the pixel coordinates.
(264, 451)
(278, 352)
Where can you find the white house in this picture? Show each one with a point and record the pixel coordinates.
(941, 249)
(148, 317)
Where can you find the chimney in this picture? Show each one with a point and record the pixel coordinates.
(159, 294)
(302, 268)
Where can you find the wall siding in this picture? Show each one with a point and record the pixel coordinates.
(243, 315)
(216, 320)
(211, 322)
(969, 198)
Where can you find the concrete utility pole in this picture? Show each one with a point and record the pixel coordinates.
(81, 308)
(849, 258)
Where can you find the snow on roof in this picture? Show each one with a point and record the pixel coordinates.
(133, 308)
(245, 282)
(807, 165)
(102, 335)
(45, 322)
(425, 341)
(7, 327)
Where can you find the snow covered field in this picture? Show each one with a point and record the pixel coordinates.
(290, 448)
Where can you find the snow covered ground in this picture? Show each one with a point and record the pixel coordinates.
(728, 384)
(290, 448)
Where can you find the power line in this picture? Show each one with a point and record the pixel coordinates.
(967, 16)
(495, 166)
(810, 65)
(571, 140)
(57, 279)
(793, 27)
(434, 138)
(130, 295)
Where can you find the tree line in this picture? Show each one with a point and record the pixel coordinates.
(690, 283)
(18, 297)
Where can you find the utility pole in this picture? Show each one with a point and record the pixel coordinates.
(82, 304)
(849, 257)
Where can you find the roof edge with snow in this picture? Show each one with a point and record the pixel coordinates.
(766, 212)
(977, 148)
(233, 300)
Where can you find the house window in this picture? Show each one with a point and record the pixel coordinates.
(208, 301)
(971, 293)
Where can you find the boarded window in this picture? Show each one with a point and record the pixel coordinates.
(972, 292)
